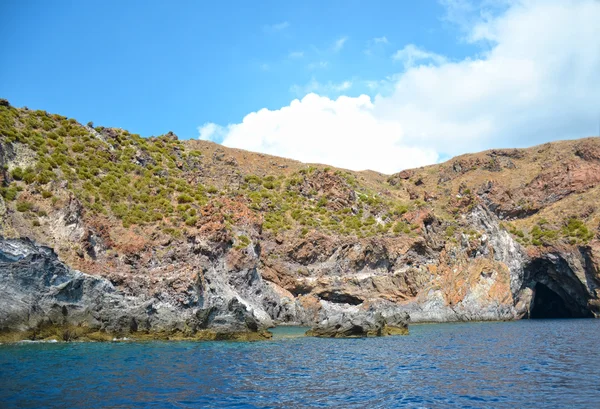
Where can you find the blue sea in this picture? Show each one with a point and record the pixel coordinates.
(536, 363)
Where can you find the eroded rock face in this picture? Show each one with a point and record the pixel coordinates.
(356, 246)
(39, 291)
(337, 321)
(426, 277)
(207, 288)
(560, 277)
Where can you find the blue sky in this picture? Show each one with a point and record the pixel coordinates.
(154, 66)
(211, 69)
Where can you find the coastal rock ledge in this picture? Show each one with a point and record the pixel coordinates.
(43, 299)
(354, 323)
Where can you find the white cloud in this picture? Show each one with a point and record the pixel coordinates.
(296, 55)
(339, 44)
(211, 132)
(412, 54)
(376, 44)
(537, 79)
(328, 89)
(317, 129)
(270, 28)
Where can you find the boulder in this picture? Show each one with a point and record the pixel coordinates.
(356, 322)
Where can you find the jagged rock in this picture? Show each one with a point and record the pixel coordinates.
(304, 245)
(406, 174)
(340, 322)
(40, 293)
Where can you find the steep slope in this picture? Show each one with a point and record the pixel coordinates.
(202, 228)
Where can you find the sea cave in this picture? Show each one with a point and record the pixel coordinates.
(556, 292)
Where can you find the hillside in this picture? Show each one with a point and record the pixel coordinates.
(195, 225)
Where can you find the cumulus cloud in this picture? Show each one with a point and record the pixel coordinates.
(328, 88)
(339, 44)
(211, 132)
(536, 79)
(411, 54)
(296, 54)
(317, 129)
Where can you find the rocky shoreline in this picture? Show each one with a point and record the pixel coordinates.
(43, 299)
(105, 234)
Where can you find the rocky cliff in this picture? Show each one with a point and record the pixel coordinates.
(105, 232)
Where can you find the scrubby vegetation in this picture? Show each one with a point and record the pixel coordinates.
(159, 181)
(112, 172)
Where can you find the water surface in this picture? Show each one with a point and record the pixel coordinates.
(537, 363)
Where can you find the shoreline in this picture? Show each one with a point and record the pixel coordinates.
(52, 336)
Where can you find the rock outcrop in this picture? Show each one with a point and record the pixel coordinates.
(41, 297)
(339, 322)
(110, 233)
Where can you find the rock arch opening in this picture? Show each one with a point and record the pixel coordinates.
(556, 290)
(548, 304)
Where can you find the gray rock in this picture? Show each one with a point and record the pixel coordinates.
(347, 321)
(39, 290)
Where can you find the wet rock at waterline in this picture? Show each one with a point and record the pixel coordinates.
(351, 322)
(42, 298)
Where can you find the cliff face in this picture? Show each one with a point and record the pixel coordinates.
(188, 238)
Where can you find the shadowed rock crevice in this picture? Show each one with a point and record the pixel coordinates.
(547, 304)
(340, 298)
(557, 292)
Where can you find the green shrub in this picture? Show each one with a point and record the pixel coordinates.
(242, 241)
(369, 221)
(576, 229)
(185, 199)
(400, 209)
(17, 173)
(29, 176)
(294, 181)
(45, 177)
(24, 206)
(401, 227)
(191, 221)
(9, 193)
(353, 222)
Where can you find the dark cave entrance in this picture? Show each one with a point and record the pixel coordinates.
(548, 304)
(557, 291)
